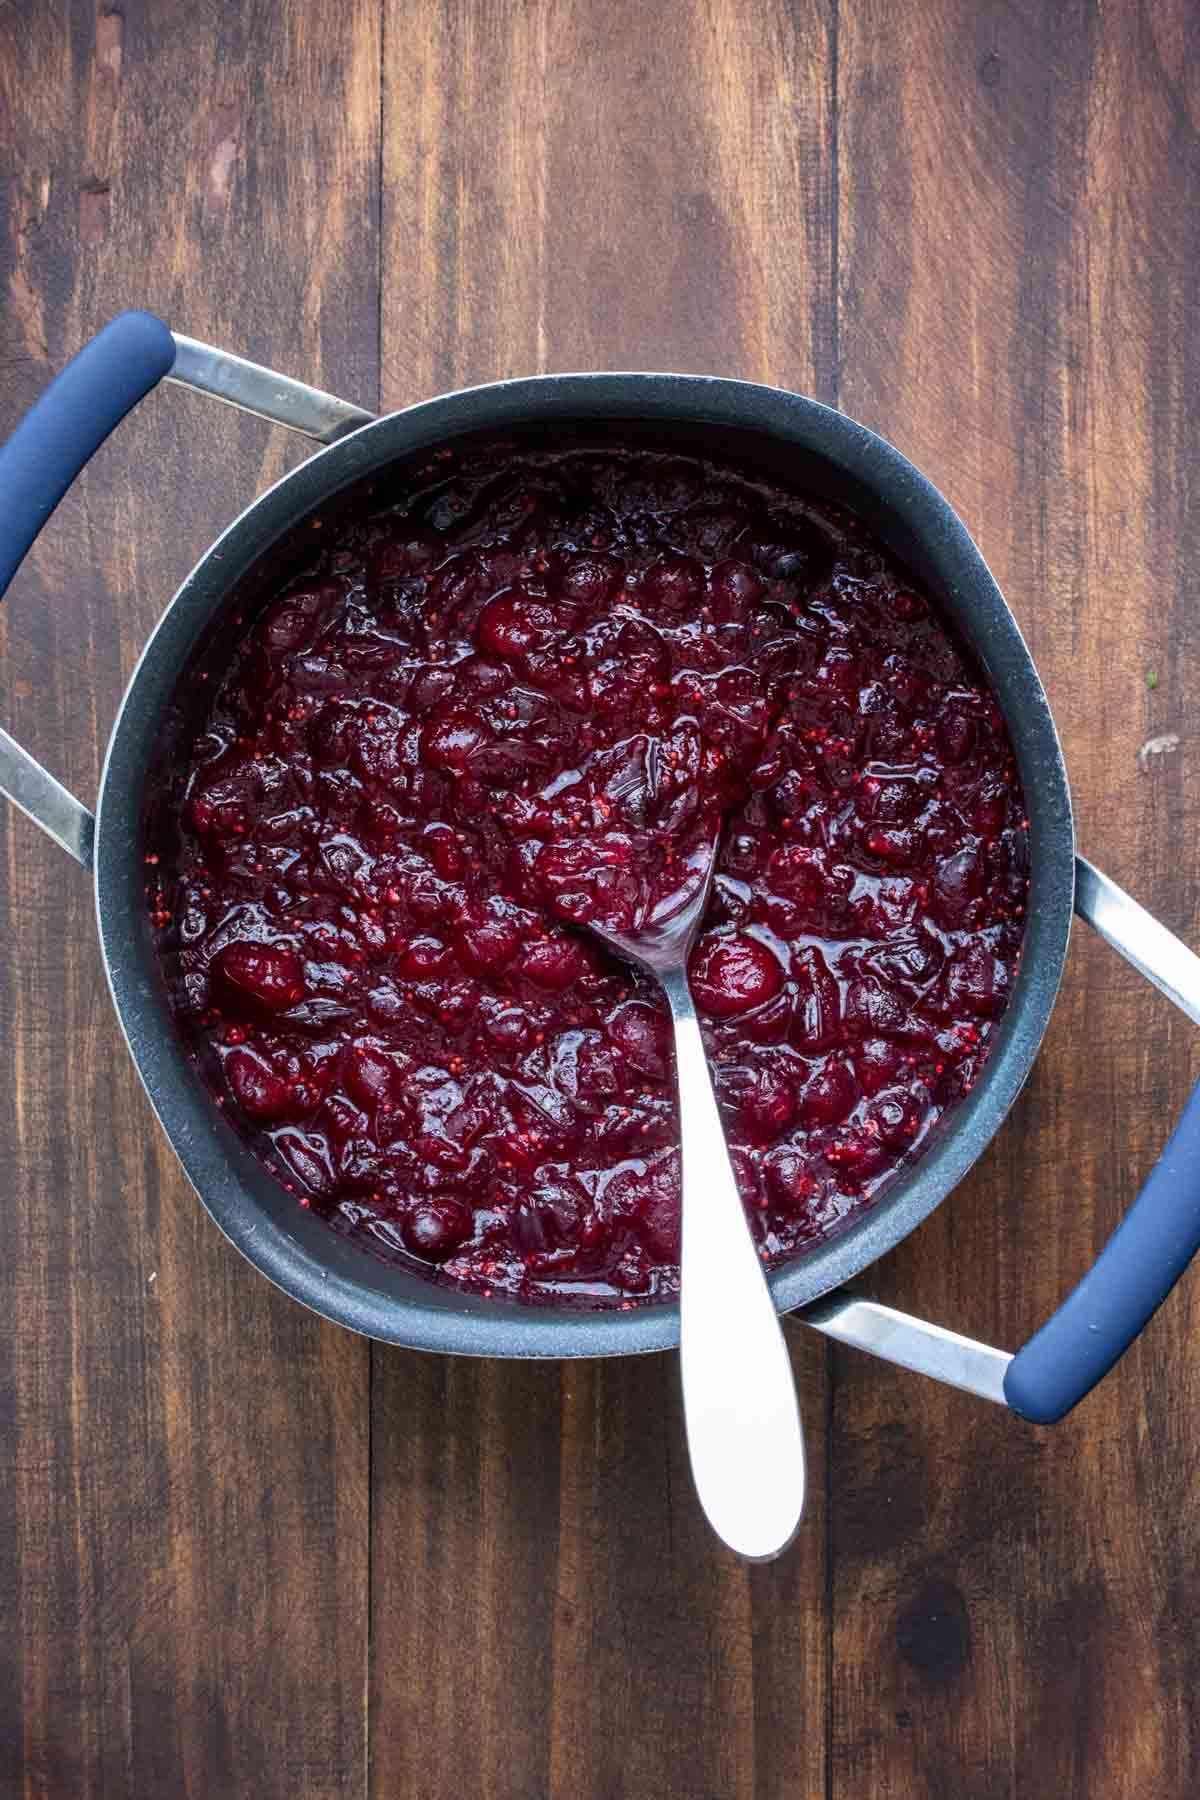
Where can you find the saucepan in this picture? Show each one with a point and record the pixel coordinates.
(332, 1275)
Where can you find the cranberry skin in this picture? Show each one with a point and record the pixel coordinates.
(407, 553)
(423, 957)
(729, 975)
(711, 531)
(257, 978)
(435, 1229)
(789, 549)
(818, 1017)
(910, 964)
(742, 854)
(508, 1032)
(857, 1155)
(306, 1156)
(447, 854)
(477, 677)
(429, 689)
(772, 1023)
(796, 875)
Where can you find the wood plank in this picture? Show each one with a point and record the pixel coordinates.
(1013, 1609)
(574, 186)
(183, 1506)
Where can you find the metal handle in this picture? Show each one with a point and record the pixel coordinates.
(254, 389)
(914, 1344)
(739, 1393)
(46, 801)
(1134, 1272)
(59, 435)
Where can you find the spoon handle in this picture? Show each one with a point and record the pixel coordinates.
(739, 1395)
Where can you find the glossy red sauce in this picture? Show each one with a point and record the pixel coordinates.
(523, 698)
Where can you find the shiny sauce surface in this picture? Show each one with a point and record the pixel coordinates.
(521, 698)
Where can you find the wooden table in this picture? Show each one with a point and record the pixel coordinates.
(245, 1553)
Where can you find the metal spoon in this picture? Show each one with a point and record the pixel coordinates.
(739, 1395)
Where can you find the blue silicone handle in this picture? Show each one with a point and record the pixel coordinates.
(1121, 1292)
(61, 431)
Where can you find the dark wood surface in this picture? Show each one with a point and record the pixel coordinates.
(243, 1553)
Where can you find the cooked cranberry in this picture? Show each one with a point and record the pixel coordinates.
(978, 981)
(874, 1009)
(449, 741)
(434, 1229)
(791, 1181)
(829, 1094)
(288, 623)
(768, 1105)
(486, 938)
(589, 580)
(896, 1117)
(958, 880)
(552, 963)
(403, 553)
(641, 1034)
(372, 1076)
(878, 1062)
(522, 702)
(731, 974)
(508, 1029)
(260, 977)
(511, 626)
(792, 549)
(550, 1217)
(649, 1199)
(674, 583)
(734, 587)
(772, 1023)
(262, 1094)
(956, 734)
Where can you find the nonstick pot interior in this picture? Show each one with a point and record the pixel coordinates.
(735, 422)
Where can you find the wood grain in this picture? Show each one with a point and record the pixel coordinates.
(242, 1553)
(1013, 1609)
(183, 1504)
(591, 191)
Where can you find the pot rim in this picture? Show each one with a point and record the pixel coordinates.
(300, 1253)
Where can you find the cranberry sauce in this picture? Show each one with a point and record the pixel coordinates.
(518, 700)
